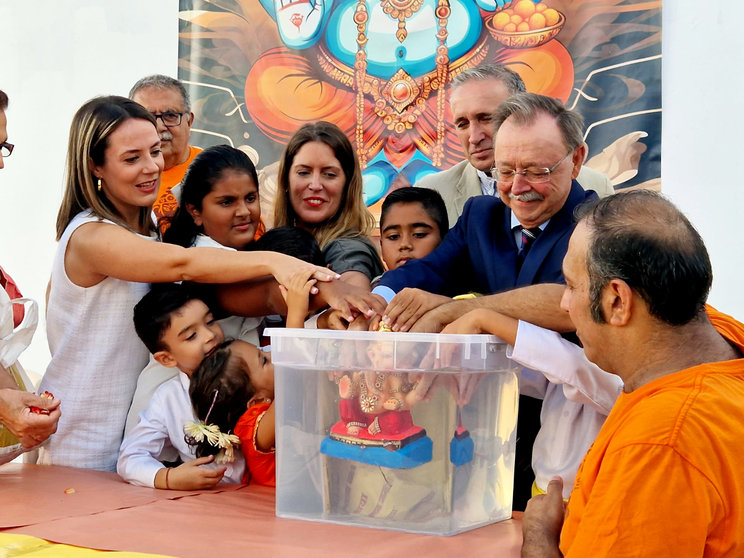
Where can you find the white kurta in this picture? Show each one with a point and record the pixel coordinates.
(159, 436)
(96, 358)
(577, 397)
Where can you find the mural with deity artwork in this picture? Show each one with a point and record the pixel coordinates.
(380, 70)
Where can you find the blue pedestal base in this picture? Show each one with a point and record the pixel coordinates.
(409, 456)
(461, 449)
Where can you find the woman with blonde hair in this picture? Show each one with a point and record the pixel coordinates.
(320, 190)
(107, 254)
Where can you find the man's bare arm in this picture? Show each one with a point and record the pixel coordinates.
(537, 304)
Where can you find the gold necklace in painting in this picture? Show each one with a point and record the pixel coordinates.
(401, 101)
(400, 10)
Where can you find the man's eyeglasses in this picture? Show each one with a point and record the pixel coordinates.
(533, 175)
(169, 118)
(6, 149)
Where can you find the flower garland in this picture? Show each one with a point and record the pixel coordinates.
(197, 432)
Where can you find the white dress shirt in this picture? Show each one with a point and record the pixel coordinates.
(159, 437)
(577, 397)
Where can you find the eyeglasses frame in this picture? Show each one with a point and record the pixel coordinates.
(523, 172)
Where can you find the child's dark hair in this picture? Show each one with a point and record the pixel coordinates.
(292, 241)
(152, 314)
(429, 199)
(203, 173)
(220, 391)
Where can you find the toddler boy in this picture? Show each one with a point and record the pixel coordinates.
(179, 330)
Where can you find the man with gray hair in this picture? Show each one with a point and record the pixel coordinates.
(514, 240)
(475, 94)
(168, 101)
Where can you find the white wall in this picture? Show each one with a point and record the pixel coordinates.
(56, 55)
(702, 164)
(53, 57)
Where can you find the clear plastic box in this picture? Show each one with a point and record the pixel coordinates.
(404, 431)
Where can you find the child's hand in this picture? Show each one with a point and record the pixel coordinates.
(192, 476)
(296, 294)
(468, 323)
(284, 268)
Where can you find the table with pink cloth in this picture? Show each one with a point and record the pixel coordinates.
(98, 510)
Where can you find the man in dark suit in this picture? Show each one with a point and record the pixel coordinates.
(517, 240)
(538, 148)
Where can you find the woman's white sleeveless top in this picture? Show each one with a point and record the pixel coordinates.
(96, 358)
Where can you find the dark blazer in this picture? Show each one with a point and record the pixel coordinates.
(479, 254)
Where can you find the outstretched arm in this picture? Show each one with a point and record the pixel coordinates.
(485, 321)
(262, 296)
(537, 304)
(100, 250)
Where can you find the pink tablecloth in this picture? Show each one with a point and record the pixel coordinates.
(98, 510)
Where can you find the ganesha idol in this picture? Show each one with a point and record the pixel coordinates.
(376, 424)
(380, 70)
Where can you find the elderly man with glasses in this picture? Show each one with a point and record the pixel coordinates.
(474, 95)
(167, 99)
(501, 243)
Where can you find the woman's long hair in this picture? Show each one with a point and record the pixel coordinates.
(91, 128)
(206, 170)
(352, 218)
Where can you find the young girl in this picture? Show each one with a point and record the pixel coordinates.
(219, 202)
(220, 208)
(232, 391)
(106, 257)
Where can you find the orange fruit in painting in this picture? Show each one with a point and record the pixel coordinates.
(500, 19)
(547, 69)
(524, 26)
(510, 27)
(551, 16)
(537, 21)
(524, 8)
(516, 19)
(541, 7)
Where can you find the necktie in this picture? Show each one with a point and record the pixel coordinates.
(528, 238)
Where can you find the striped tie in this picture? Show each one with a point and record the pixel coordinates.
(528, 238)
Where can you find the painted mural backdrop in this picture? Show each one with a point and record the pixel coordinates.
(258, 69)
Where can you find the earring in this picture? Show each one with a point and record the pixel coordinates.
(98, 184)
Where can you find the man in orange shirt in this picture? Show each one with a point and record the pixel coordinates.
(167, 99)
(664, 476)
